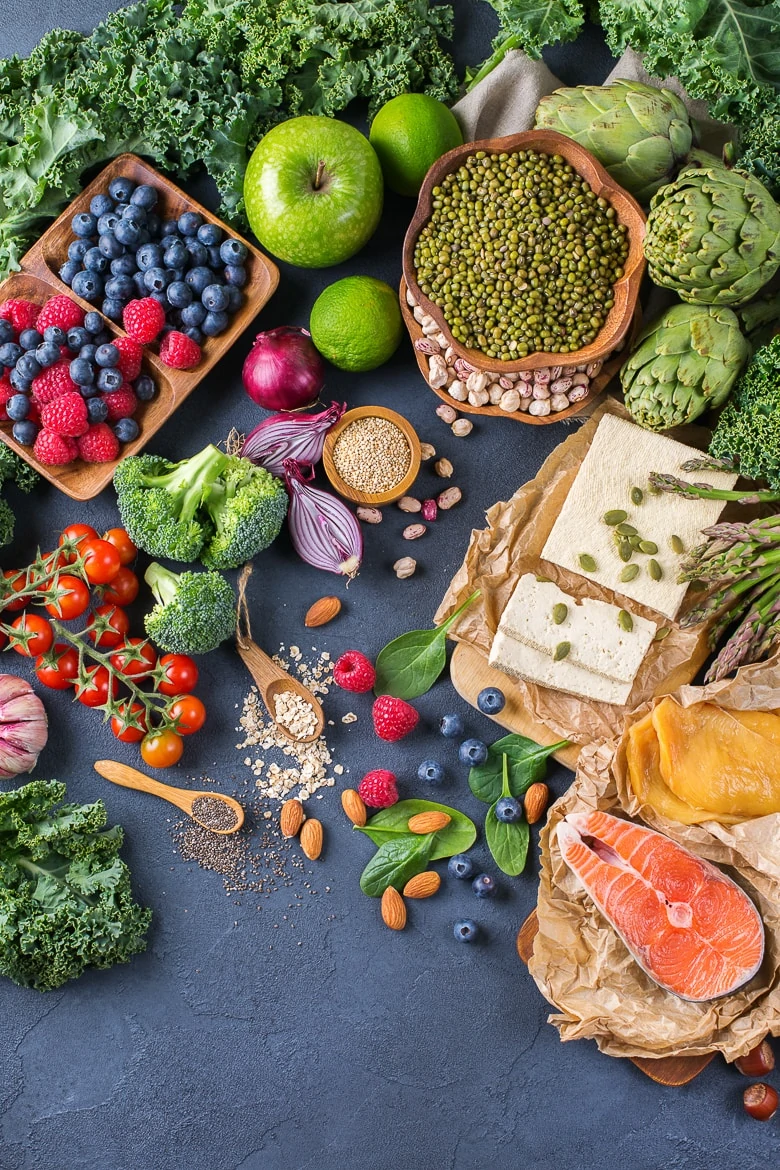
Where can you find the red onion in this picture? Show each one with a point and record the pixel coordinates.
(290, 436)
(323, 531)
(283, 370)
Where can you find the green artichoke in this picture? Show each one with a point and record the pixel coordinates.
(639, 133)
(683, 363)
(713, 234)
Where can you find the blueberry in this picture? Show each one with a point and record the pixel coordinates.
(109, 380)
(180, 295)
(6, 330)
(23, 385)
(135, 214)
(491, 700)
(214, 298)
(153, 226)
(121, 189)
(235, 298)
(95, 261)
(120, 288)
(101, 204)
(145, 237)
(145, 196)
(25, 433)
(189, 222)
(88, 285)
(199, 278)
(126, 429)
(87, 352)
(97, 410)
(121, 208)
(210, 234)
(144, 388)
(93, 323)
(28, 366)
(110, 246)
(508, 810)
(215, 324)
(89, 391)
(128, 232)
(235, 274)
(472, 752)
(431, 771)
(107, 356)
(483, 886)
(107, 222)
(30, 339)
(77, 337)
(214, 259)
(105, 335)
(140, 285)
(17, 407)
(194, 333)
(466, 930)
(82, 372)
(169, 227)
(84, 225)
(233, 252)
(77, 249)
(192, 315)
(124, 265)
(156, 279)
(160, 297)
(10, 353)
(176, 255)
(460, 866)
(47, 354)
(112, 309)
(68, 271)
(451, 726)
(148, 256)
(198, 254)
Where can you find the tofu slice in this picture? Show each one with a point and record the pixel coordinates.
(525, 662)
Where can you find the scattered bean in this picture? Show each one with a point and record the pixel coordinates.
(447, 413)
(369, 515)
(443, 468)
(449, 498)
(430, 509)
(405, 567)
(462, 427)
(427, 450)
(414, 531)
(409, 504)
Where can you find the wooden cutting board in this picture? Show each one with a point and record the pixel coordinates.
(665, 1070)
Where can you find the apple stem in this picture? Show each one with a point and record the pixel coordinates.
(318, 176)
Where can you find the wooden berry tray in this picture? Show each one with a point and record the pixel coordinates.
(38, 280)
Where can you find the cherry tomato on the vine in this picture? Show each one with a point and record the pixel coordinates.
(180, 674)
(37, 635)
(18, 582)
(108, 626)
(101, 561)
(75, 534)
(162, 749)
(73, 598)
(121, 589)
(124, 729)
(188, 713)
(122, 543)
(134, 658)
(58, 667)
(95, 694)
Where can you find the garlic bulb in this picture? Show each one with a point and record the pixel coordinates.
(23, 726)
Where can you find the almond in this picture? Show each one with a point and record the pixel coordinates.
(428, 822)
(422, 885)
(536, 800)
(393, 909)
(311, 838)
(352, 803)
(322, 612)
(291, 818)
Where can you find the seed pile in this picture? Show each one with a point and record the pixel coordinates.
(372, 455)
(520, 254)
(213, 812)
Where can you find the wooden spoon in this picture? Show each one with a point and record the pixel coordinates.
(183, 798)
(272, 680)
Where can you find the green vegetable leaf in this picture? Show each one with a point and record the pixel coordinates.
(508, 843)
(527, 764)
(395, 862)
(529, 25)
(391, 824)
(409, 666)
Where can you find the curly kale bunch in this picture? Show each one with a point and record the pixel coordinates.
(748, 430)
(194, 611)
(13, 469)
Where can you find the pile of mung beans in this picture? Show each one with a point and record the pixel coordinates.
(520, 255)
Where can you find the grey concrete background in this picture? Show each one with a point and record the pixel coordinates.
(229, 1046)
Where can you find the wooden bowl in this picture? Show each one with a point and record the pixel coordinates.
(377, 499)
(597, 387)
(38, 281)
(628, 212)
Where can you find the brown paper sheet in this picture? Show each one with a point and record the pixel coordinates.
(580, 964)
(498, 556)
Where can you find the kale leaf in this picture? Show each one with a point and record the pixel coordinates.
(748, 430)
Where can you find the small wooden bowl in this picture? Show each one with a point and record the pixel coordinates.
(628, 211)
(378, 498)
(38, 281)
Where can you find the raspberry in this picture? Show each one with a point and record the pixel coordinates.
(378, 788)
(143, 319)
(60, 311)
(66, 415)
(179, 351)
(130, 357)
(99, 444)
(393, 718)
(122, 403)
(21, 314)
(6, 391)
(53, 382)
(54, 450)
(353, 672)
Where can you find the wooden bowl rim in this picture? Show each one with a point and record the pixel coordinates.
(629, 213)
(375, 499)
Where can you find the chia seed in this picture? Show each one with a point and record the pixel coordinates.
(213, 813)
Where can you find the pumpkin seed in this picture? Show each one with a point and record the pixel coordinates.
(626, 530)
(543, 580)
(561, 650)
(655, 570)
(649, 547)
(625, 621)
(616, 516)
(637, 495)
(625, 550)
(635, 542)
(662, 633)
(629, 573)
(560, 613)
(587, 563)
(676, 544)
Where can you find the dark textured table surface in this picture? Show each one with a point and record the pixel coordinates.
(295, 1031)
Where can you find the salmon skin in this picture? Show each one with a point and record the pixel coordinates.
(689, 927)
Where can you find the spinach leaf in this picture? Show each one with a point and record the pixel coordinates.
(507, 842)
(395, 862)
(527, 764)
(409, 666)
(391, 824)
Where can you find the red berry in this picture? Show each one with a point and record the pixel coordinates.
(62, 311)
(378, 788)
(6, 391)
(66, 415)
(179, 351)
(121, 403)
(99, 444)
(54, 450)
(52, 382)
(131, 354)
(143, 319)
(21, 314)
(353, 672)
(393, 718)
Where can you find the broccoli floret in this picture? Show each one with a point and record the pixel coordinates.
(748, 430)
(194, 611)
(13, 469)
(247, 506)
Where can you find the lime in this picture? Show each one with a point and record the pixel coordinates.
(409, 133)
(356, 323)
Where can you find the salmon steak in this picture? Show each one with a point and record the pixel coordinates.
(689, 927)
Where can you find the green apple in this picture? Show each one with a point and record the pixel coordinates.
(313, 191)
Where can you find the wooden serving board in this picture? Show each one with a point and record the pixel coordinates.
(664, 1070)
